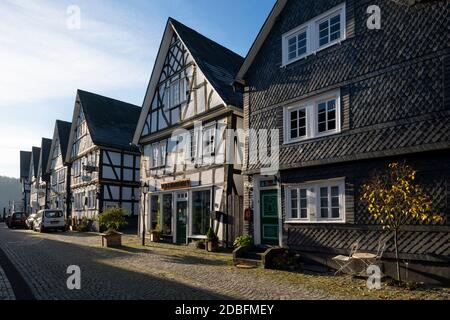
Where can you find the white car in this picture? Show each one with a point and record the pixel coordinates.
(49, 220)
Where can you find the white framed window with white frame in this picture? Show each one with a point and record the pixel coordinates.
(312, 118)
(316, 202)
(317, 34)
(176, 93)
(158, 154)
(209, 141)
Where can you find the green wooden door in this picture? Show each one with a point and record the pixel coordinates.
(269, 217)
(181, 221)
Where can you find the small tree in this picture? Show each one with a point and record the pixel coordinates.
(112, 219)
(394, 200)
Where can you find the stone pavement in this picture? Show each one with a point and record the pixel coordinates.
(6, 292)
(157, 272)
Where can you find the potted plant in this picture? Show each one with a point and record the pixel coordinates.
(155, 234)
(112, 219)
(212, 241)
(243, 241)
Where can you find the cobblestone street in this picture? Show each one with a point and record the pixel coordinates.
(157, 272)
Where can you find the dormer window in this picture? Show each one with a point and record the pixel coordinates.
(314, 35)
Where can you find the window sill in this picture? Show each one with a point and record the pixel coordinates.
(314, 222)
(316, 137)
(304, 57)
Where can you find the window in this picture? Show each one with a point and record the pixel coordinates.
(91, 199)
(298, 123)
(329, 29)
(158, 154)
(326, 113)
(201, 207)
(54, 178)
(194, 145)
(167, 214)
(314, 35)
(175, 94)
(316, 202)
(299, 203)
(209, 141)
(297, 45)
(155, 213)
(313, 118)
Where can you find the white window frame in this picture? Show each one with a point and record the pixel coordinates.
(160, 160)
(312, 124)
(208, 154)
(169, 99)
(312, 34)
(313, 201)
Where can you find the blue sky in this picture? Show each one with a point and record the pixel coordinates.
(43, 62)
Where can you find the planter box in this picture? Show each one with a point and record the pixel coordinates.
(155, 236)
(212, 246)
(112, 240)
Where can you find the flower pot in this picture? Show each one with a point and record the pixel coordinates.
(212, 246)
(112, 240)
(155, 236)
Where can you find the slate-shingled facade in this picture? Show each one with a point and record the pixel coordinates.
(390, 89)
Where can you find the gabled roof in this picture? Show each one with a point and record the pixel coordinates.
(63, 128)
(111, 122)
(261, 37)
(25, 160)
(60, 136)
(34, 163)
(43, 157)
(218, 64)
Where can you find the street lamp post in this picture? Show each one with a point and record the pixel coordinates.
(144, 192)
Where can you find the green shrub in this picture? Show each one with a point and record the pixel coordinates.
(82, 226)
(113, 220)
(243, 241)
(211, 235)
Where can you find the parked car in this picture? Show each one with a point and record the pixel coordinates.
(47, 220)
(17, 220)
(30, 221)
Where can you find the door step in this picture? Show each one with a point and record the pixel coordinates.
(245, 263)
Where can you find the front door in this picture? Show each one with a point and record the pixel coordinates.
(182, 207)
(269, 217)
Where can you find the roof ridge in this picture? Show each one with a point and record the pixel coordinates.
(202, 35)
(109, 98)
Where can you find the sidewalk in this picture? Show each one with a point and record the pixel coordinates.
(6, 292)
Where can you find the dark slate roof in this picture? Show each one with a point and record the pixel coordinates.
(111, 122)
(63, 128)
(219, 64)
(45, 153)
(25, 160)
(35, 156)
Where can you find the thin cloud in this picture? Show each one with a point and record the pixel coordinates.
(41, 59)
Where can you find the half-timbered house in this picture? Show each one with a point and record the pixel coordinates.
(34, 164)
(105, 167)
(43, 178)
(58, 169)
(348, 99)
(189, 106)
(25, 160)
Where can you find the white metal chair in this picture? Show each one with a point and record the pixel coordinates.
(344, 262)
